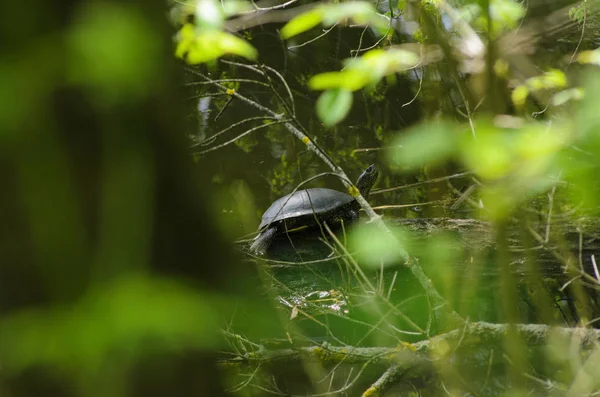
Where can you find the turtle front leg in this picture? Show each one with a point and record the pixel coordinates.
(263, 240)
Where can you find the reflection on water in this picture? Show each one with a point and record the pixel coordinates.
(315, 284)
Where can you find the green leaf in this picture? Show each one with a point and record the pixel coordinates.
(506, 12)
(361, 12)
(351, 80)
(185, 39)
(491, 156)
(399, 60)
(302, 23)
(105, 44)
(231, 44)
(233, 7)
(551, 79)
(519, 95)
(209, 14)
(365, 70)
(566, 95)
(427, 144)
(375, 247)
(523, 154)
(210, 45)
(592, 57)
(334, 105)
(378, 63)
(555, 79)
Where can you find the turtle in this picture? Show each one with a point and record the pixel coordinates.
(309, 208)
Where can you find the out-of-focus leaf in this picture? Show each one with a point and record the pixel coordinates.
(490, 155)
(428, 144)
(379, 63)
(501, 198)
(333, 106)
(502, 68)
(116, 320)
(582, 164)
(231, 44)
(351, 80)
(523, 153)
(399, 60)
(208, 45)
(469, 12)
(516, 164)
(437, 251)
(565, 96)
(506, 12)
(361, 13)
(538, 141)
(519, 95)
(233, 7)
(549, 80)
(555, 78)
(209, 14)
(374, 246)
(592, 57)
(119, 36)
(368, 69)
(505, 15)
(185, 40)
(302, 23)
(588, 116)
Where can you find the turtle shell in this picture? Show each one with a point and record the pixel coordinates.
(304, 202)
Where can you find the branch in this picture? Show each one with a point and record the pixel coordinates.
(408, 355)
(409, 361)
(386, 380)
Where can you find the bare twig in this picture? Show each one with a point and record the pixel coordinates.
(212, 138)
(240, 136)
(434, 180)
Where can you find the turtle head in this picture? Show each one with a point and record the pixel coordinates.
(366, 180)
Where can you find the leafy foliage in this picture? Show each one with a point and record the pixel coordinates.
(499, 297)
(205, 41)
(206, 46)
(359, 12)
(334, 105)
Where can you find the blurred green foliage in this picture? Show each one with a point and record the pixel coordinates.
(205, 41)
(377, 248)
(334, 105)
(100, 277)
(360, 12)
(115, 323)
(94, 227)
(210, 45)
(130, 38)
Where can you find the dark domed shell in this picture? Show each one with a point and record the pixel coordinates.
(304, 202)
